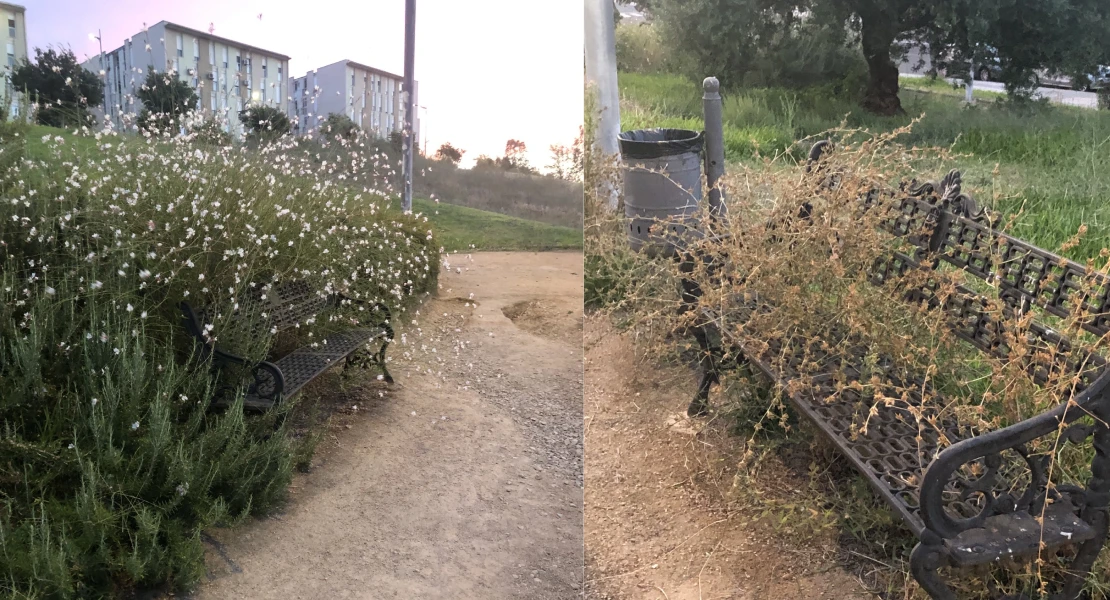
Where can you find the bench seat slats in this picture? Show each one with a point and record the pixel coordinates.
(305, 364)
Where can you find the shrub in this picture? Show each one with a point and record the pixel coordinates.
(641, 50)
(339, 125)
(1104, 98)
(265, 123)
(210, 131)
(166, 102)
(110, 463)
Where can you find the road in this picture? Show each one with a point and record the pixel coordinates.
(917, 63)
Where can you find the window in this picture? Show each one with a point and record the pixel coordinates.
(352, 82)
(211, 53)
(11, 55)
(264, 70)
(225, 56)
(248, 65)
(180, 48)
(11, 27)
(279, 73)
(196, 50)
(238, 63)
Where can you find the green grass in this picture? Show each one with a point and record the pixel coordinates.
(459, 227)
(456, 227)
(1052, 162)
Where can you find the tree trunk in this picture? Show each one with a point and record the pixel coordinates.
(881, 94)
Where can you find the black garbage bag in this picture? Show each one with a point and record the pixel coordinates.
(658, 143)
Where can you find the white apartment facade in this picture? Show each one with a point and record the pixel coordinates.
(228, 76)
(15, 41)
(370, 97)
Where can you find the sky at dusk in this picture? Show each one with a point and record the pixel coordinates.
(488, 70)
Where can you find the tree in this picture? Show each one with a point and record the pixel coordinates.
(1026, 36)
(166, 100)
(265, 123)
(485, 163)
(726, 37)
(341, 126)
(449, 153)
(515, 158)
(63, 90)
(566, 161)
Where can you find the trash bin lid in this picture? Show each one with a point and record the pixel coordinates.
(657, 143)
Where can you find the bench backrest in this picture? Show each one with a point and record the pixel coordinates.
(285, 305)
(940, 221)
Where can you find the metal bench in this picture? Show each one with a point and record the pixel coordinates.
(285, 306)
(960, 519)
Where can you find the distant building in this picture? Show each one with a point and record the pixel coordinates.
(370, 97)
(15, 40)
(228, 75)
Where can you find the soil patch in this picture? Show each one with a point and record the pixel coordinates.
(663, 520)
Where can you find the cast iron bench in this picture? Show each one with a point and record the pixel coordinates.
(960, 520)
(285, 306)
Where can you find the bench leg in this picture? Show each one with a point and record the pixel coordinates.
(708, 370)
(380, 359)
(1095, 514)
(925, 560)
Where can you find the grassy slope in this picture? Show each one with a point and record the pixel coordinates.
(1051, 162)
(457, 227)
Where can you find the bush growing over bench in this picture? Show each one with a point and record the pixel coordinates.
(110, 462)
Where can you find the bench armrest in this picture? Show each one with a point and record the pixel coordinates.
(374, 306)
(988, 448)
(268, 379)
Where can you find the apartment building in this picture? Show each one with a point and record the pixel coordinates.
(227, 75)
(15, 40)
(370, 97)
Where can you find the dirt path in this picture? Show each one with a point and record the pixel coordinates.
(661, 521)
(461, 481)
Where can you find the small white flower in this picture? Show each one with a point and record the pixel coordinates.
(134, 426)
(49, 291)
(94, 401)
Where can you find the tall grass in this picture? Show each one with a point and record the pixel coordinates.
(1049, 163)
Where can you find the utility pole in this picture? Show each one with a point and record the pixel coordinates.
(601, 73)
(407, 140)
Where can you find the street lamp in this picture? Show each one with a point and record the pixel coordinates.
(103, 73)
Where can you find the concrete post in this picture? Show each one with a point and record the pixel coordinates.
(969, 96)
(601, 71)
(714, 145)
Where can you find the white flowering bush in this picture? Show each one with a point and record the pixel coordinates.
(110, 461)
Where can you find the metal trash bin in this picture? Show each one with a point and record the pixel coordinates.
(662, 182)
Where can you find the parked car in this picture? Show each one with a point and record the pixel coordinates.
(987, 66)
(1099, 79)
